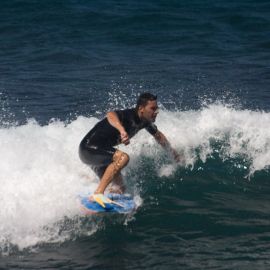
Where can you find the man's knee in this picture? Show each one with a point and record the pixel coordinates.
(120, 159)
(124, 159)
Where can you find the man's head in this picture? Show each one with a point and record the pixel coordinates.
(147, 107)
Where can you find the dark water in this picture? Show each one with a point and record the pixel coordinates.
(63, 64)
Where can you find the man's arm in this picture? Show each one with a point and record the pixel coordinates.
(162, 140)
(115, 122)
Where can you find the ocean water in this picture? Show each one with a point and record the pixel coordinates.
(64, 64)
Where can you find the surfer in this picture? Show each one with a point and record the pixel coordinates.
(97, 147)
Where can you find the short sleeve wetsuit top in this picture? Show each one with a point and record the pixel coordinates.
(97, 147)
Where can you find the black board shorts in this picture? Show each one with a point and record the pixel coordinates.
(97, 157)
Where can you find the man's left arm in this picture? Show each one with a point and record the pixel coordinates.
(162, 140)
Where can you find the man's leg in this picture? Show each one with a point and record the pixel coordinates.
(120, 160)
(117, 184)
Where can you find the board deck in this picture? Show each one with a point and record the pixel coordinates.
(125, 204)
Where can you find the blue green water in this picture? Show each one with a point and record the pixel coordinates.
(64, 64)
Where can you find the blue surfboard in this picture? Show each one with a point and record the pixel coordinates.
(124, 203)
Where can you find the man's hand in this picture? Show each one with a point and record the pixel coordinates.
(175, 155)
(124, 137)
(162, 140)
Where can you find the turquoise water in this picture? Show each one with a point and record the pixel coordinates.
(64, 64)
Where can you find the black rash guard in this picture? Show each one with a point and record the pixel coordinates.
(97, 147)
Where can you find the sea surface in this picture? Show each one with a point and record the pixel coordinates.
(65, 63)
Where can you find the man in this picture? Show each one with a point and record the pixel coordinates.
(97, 147)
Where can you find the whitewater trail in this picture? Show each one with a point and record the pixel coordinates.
(41, 174)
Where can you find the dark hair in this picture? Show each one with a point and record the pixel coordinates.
(144, 98)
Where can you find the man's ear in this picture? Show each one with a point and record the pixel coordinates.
(141, 108)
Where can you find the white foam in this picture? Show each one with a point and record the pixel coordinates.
(242, 133)
(41, 174)
(167, 170)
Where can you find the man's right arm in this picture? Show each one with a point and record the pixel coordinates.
(114, 120)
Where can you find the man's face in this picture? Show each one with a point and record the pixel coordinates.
(150, 111)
